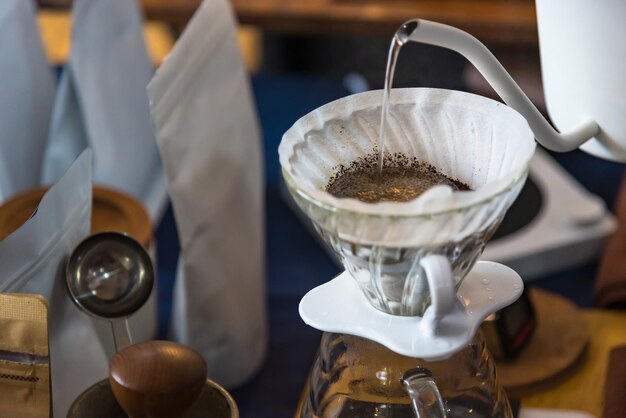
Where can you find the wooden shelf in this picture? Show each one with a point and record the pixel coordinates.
(495, 22)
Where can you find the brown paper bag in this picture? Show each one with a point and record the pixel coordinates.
(24, 356)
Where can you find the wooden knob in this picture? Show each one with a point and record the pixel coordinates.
(157, 379)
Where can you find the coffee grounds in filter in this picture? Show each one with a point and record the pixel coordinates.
(401, 180)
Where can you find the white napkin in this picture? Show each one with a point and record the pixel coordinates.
(26, 96)
(102, 103)
(32, 260)
(210, 145)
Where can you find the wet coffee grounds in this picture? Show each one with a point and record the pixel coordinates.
(402, 179)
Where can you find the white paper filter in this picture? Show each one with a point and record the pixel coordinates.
(481, 142)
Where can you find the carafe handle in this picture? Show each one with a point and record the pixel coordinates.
(445, 36)
(424, 394)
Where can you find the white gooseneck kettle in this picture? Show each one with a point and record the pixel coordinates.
(583, 60)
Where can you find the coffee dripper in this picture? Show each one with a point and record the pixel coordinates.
(401, 322)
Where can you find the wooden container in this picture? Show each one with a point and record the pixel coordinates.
(112, 210)
(98, 402)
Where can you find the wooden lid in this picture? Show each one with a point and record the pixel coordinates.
(555, 349)
(112, 210)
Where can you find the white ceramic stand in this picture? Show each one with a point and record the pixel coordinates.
(340, 306)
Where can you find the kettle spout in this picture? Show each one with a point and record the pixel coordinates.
(424, 31)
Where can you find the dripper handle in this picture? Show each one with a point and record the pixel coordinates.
(445, 36)
(424, 394)
(440, 279)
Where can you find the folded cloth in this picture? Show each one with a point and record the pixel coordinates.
(26, 95)
(209, 140)
(32, 261)
(615, 385)
(102, 104)
(610, 282)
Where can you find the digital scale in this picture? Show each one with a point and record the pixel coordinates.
(564, 226)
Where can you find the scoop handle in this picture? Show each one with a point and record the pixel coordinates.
(445, 36)
(121, 334)
(157, 379)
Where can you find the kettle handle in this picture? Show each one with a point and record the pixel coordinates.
(445, 36)
(424, 394)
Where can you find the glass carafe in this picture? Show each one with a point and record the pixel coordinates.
(356, 377)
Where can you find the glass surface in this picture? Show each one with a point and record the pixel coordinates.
(355, 377)
(479, 142)
(390, 276)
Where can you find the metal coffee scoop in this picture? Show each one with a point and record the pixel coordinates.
(109, 275)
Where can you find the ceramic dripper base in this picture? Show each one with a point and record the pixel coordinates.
(340, 306)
